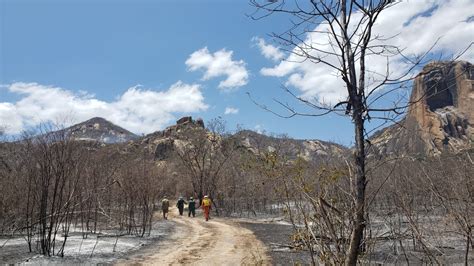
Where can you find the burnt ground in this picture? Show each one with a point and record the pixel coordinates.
(15, 251)
(447, 249)
(276, 236)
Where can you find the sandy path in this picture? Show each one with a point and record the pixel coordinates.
(197, 242)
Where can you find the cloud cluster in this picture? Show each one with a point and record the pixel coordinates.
(231, 111)
(268, 50)
(219, 64)
(414, 26)
(137, 109)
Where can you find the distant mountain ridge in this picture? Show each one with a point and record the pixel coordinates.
(292, 148)
(101, 130)
(162, 142)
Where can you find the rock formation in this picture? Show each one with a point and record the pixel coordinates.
(440, 117)
(163, 142)
(184, 120)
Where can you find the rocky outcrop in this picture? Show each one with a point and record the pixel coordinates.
(199, 122)
(440, 117)
(164, 142)
(184, 120)
(188, 120)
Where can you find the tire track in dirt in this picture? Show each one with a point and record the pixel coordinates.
(197, 242)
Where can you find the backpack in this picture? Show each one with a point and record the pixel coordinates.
(206, 202)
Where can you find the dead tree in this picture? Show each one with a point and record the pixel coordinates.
(53, 170)
(340, 35)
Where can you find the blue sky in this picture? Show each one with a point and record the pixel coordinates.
(66, 56)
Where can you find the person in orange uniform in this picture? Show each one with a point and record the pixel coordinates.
(206, 206)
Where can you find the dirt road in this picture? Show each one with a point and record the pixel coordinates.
(197, 242)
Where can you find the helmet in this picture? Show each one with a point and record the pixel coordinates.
(191, 198)
(180, 197)
(206, 196)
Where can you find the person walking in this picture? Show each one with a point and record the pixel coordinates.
(206, 205)
(165, 206)
(191, 207)
(180, 205)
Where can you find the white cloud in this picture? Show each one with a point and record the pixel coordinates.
(268, 51)
(231, 111)
(219, 64)
(138, 110)
(418, 25)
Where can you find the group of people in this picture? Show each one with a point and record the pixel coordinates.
(206, 205)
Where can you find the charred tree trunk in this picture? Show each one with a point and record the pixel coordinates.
(359, 184)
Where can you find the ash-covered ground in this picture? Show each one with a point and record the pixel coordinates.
(276, 235)
(95, 249)
(272, 230)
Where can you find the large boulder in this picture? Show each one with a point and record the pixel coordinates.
(184, 120)
(200, 122)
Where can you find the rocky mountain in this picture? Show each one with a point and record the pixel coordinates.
(163, 143)
(440, 117)
(101, 130)
(292, 148)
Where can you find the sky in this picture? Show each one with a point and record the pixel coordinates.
(143, 64)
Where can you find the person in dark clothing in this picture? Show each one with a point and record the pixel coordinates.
(192, 207)
(180, 205)
(165, 205)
